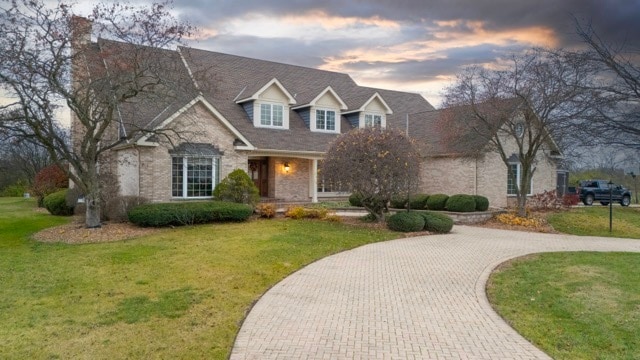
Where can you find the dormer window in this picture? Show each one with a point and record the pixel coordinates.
(271, 115)
(372, 120)
(325, 120)
(268, 106)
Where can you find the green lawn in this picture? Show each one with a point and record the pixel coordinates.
(182, 293)
(573, 305)
(594, 221)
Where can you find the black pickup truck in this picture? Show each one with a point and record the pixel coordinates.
(598, 190)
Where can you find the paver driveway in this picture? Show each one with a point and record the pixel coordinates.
(410, 298)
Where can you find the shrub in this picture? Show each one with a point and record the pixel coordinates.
(299, 212)
(406, 221)
(418, 201)
(513, 219)
(570, 200)
(398, 202)
(266, 210)
(117, 208)
(482, 203)
(237, 187)
(15, 190)
(47, 181)
(56, 203)
(547, 200)
(437, 202)
(355, 200)
(437, 223)
(188, 213)
(461, 203)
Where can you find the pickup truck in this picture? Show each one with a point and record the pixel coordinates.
(598, 190)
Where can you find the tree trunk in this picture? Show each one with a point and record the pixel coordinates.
(522, 205)
(92, 215)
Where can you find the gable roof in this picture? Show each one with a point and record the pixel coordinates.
(274, 81)
(456, 131)
(315, 100)
(218, 80)
(375, 96)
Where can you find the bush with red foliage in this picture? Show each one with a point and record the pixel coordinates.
(49, 180)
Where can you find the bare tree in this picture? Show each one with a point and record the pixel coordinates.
(615, 119)
(518, 110)
(48, 59)
(374, 163)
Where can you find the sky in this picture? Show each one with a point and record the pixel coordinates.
(409, 45)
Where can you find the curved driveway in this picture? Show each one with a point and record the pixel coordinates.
(419, 298)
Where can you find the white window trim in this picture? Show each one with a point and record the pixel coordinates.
(215, 176)
(257, 113)
(518, 175)
(373, 113)
(314, 124)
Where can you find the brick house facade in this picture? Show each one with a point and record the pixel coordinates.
(275, 121)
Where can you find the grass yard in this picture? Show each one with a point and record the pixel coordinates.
(594, 221)
(573, 305)
(181, 293)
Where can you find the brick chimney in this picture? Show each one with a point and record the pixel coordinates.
(80, 28)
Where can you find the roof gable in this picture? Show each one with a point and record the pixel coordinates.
(274, 83)
(328, 91)
(371, 101)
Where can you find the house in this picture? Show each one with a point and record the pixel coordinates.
(275, 121)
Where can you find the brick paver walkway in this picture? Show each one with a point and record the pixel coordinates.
(415, 298)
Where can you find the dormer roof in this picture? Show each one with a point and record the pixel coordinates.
(314, 101)
(255, 96)
(373, 97)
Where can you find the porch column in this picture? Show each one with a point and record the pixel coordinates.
(313, 181)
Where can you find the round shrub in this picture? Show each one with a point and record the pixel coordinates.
(418, 201)
(355, 200)
(461, 203)
(437, 202)
(406, 221)
(437, 223)
(237, 187)
(47, 181)
(117, 207)
(482, 203)
(188, 213)
(56, 203)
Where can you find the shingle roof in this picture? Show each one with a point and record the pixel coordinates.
(221, 79)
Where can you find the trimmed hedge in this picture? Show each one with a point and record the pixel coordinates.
(437, 202)
(406, 221)
(188, 213)
(56, 203)
(418, 201)
(438, 223)
(461, 203)
(482, 203)
(355, 200)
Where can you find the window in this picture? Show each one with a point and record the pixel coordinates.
(326, 120)
(513, 179)
(371, 120)
(194, 177)
(271, 115)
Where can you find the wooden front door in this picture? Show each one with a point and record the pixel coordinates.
(259, 173)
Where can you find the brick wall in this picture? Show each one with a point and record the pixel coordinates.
(291, 186)
(486, 176)
(198, 126)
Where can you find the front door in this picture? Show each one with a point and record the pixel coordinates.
(259, 173)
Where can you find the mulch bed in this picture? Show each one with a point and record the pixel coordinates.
(76, 233)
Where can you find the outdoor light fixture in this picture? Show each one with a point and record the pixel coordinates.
(286, 167)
